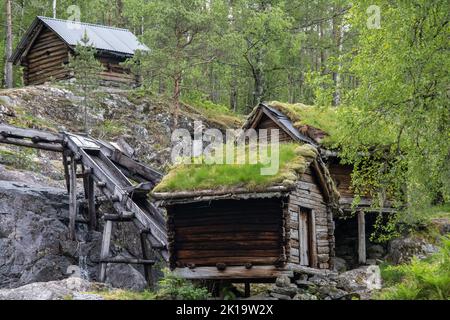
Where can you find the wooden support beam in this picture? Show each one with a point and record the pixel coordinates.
(30, 144)
(361, 237)
(106, 242)
(72, 198)
(66, 171)
(92, 214)
(145, 256)
(128, 261)
(247, 290)
(126, 217)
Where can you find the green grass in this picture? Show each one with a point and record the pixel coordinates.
(110, 129)
(427, 279)
(294, 160)
(323, 118)
(22, 160)
(170, 287)
(214, 112)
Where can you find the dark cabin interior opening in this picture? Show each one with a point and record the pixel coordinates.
(346, 237)
(230, 232)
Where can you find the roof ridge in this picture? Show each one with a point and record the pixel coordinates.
(84, 23)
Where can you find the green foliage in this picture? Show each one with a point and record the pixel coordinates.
(86, 69)
(18, 159)
(293, 159)
(214, 112)
(421, 279)
(109, 129)
(396, 132)
(127, 295)
(174, 287)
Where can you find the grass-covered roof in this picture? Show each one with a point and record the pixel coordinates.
(317, 122)
(294, 159)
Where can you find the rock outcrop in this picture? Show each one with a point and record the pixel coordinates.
(68, 289)
(313, 284)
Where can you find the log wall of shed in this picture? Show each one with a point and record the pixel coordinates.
(341, 175)
(231, 232)
(309, 196)
(45, 59)
(47, 56)
(266, 123)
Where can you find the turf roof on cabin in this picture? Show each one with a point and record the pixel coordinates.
(294, 160)
(318, 123)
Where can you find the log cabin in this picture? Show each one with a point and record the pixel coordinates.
(315, 126)
(46, 47)
(245, 230)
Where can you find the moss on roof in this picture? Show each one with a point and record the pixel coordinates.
(305, 117)
(294, 159)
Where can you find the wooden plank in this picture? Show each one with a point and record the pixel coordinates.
(72, 198)
(233, 273)
(106, 242)
(313, 240)
(66, 171)
(32, 134)
(91, 203)
(361, 238)
(303, 238)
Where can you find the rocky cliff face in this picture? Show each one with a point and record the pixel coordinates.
(34, 246)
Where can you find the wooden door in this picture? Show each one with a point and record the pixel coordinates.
(305, 236)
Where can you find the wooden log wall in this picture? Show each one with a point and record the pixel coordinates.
(115, 74)
(308, 197)
(341, 175)
(230, 232)
(267, 123)
(45, 59)
(48, 55)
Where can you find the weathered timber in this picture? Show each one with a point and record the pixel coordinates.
(232, 273)
(361, 238)
(127, 261)
(106, 242)
(72, 198)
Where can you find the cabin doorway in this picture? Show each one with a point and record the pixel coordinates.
(305, 237)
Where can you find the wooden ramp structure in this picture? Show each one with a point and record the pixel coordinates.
(123, 181)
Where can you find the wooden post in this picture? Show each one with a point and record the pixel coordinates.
(92, 214)
(313, 243)
(106, 242)
(72, 198)
(247, 290)
(147, 268)
(66, 171)
(361, 238)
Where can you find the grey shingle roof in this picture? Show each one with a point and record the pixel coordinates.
(115, 40)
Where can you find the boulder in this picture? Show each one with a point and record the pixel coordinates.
(375, 251)
(52, 290)
(290, 291)
(305, 296)
(283, 281)
(362, 280)
(340, 265)
(402, 250)
(280, 296)
(124, 276)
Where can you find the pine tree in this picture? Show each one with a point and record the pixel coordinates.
(85, 69)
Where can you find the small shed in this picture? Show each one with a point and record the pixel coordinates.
(318, 126)
(47, 45)
(235, 225)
